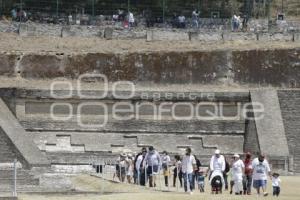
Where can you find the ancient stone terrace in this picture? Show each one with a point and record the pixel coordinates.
(66, 142)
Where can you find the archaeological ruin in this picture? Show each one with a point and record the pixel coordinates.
(72, 95)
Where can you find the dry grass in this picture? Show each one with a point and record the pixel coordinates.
(77, 45)
(289, 187)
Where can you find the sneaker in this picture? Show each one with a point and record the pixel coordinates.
(191, 193)
(265, 194)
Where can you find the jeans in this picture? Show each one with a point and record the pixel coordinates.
(247, 183)
(188, 179)
(276, 190)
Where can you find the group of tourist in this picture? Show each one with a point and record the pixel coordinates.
(144, 167)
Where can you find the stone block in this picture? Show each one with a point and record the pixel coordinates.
(108, 33)
(239, 36)
(7, 64)
(27, 30)
(66, 32)
(170, 36)
(149, 36)
(296, 37)
(215, 36)
(275, 37)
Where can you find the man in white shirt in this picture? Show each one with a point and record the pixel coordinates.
(188, 166)
(217, 162)
(238, 169)
(217, 167)
(153, 161)
(261, 170)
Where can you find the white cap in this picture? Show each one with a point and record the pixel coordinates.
(217, 151)
(236, 155)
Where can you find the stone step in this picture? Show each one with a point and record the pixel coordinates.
(23, 177)
(209, 126)
(20, 181)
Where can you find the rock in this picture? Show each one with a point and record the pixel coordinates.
(108, 33)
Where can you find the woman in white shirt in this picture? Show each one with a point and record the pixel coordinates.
(238, 169)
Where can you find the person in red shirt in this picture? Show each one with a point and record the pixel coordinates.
(247, 182)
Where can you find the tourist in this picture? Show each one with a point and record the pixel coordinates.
(165, 165)
(121, 167)
(14, 14)
(200, 180)
(261, 170)
(196, 169)
(181, 21)
(138, 167)
(217, 168)
(225, 173)
(177, 171)
(70, 19)
(195, 15)
(153, 161)
(248, 174)
(276, 184)
(238, 168)
(129, 167)
(131, 19)
(188, 165)
(217, 162)
(235, 23)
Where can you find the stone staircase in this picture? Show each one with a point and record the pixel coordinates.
(24, 177)
(7, 156)
(293, 8)
(290, 106)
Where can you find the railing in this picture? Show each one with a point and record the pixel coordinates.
(13, 186)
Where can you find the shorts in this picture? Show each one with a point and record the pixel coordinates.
(154, 171)
(259, 183)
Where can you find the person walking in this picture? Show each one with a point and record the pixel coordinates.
(153, 161)
(138, 165)
(131, 19)
(225, 173)
(129, 168)
(238, 168)
(247, 182)
(276, 184)
(261, 170)
(217, 163)
(188, 166)
(217, 167)
(195, 15)
(165, 165)
(177, 172)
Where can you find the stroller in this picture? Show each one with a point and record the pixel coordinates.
(217, 182)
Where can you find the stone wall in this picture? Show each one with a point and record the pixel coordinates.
(274, 67)
(258, 31)
(290, 106)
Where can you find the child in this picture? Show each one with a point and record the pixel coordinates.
(276, 184)
(200, 181)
